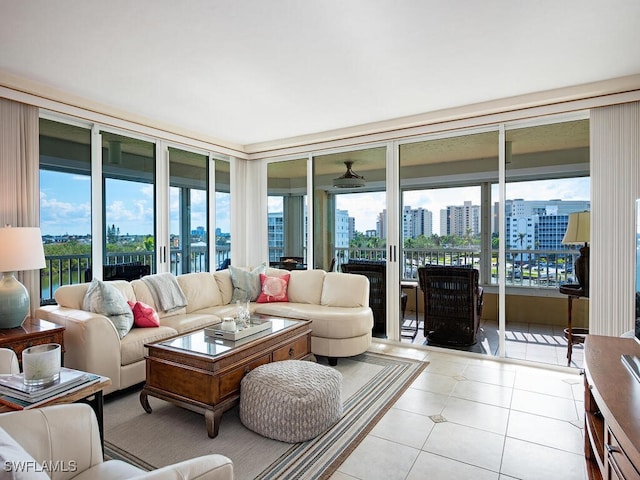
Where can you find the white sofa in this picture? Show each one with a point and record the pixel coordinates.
(337, 304)
(65, 442)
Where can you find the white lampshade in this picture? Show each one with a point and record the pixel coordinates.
(21, 249)
(578, 229)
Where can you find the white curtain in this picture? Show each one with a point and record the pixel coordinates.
(615, 186)
(19, 177)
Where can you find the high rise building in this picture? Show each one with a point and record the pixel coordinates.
(381, 224)
(460, 220)
(342, 229)
(416, 222)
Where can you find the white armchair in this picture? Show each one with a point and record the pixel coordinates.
(8, 361)
(65, 442)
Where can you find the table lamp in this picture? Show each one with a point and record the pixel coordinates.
(577, 234)
(20, 249)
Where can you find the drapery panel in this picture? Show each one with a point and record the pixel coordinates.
(615, 185)
(19, 177)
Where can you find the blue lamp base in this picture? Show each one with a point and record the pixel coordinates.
(14, 301)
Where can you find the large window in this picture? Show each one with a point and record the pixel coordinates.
(349, 217)
(188, 211)
(223, 213)
(125, 198)
(65, 204)
(128, 172)
(445, 196)
(547, 170)
(287, 210)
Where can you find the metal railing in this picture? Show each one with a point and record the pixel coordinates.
(70, 269)
(525, 268)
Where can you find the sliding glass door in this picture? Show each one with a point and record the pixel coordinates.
(188, 211)
(128, 210)
(445, 186)
(287, 213)
(65, 204)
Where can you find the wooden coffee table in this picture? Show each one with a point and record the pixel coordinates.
(203, 373)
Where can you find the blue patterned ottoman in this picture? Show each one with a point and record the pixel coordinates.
(291, 401)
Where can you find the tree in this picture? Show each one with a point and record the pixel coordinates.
(113, 234)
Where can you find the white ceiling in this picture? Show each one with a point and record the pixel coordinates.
(249, 71)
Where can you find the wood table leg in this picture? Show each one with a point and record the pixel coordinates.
(144, 401)
(212, 419)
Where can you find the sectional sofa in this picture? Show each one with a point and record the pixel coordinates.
(337, 304)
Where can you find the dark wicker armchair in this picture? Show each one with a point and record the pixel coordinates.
(121, 271)
(452, 304)
(376, 272)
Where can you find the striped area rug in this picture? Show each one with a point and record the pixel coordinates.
(371, 385)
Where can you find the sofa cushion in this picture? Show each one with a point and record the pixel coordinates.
(246, 283)
(106, 299)
(143, 315)
(200, 289)
(329, 322)
(132, 346)
(343, 290)
(273, 289)
(225, 285)
(72, 296)
(305, 286)
(191, 321)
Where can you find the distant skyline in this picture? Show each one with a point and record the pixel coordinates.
(65, 203)
(65, 206)
(365, 207)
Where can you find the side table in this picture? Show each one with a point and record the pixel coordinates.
(573, 335)
(33, 331)
(90, 394)
(409, 332)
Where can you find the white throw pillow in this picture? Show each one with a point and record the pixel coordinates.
(246, 284)
(107, 300)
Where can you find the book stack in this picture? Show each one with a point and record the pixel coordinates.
(15, 394)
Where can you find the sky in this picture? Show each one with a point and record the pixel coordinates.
(65, 203)
(365, 207)
(65, 206)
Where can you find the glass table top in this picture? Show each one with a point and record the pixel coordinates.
(199, 342)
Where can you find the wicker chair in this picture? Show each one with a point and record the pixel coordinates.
(376, 272)
(452, 304)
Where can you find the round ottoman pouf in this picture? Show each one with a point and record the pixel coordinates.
(291, 401)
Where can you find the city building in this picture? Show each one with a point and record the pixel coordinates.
(460, 220)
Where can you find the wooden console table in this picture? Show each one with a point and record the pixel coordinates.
(612, 403)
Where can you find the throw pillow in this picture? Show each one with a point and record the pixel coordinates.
(246, 284)
(273, 289)
(107, 300)
(144, 316)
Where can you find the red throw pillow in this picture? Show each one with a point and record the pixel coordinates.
(144, 315)
(273, 289)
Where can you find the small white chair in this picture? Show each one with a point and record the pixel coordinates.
(8, 362)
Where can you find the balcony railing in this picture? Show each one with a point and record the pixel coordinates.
(70, 269)
(525, 268)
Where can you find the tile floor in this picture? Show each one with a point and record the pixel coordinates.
(469, 417)
(523, 341)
